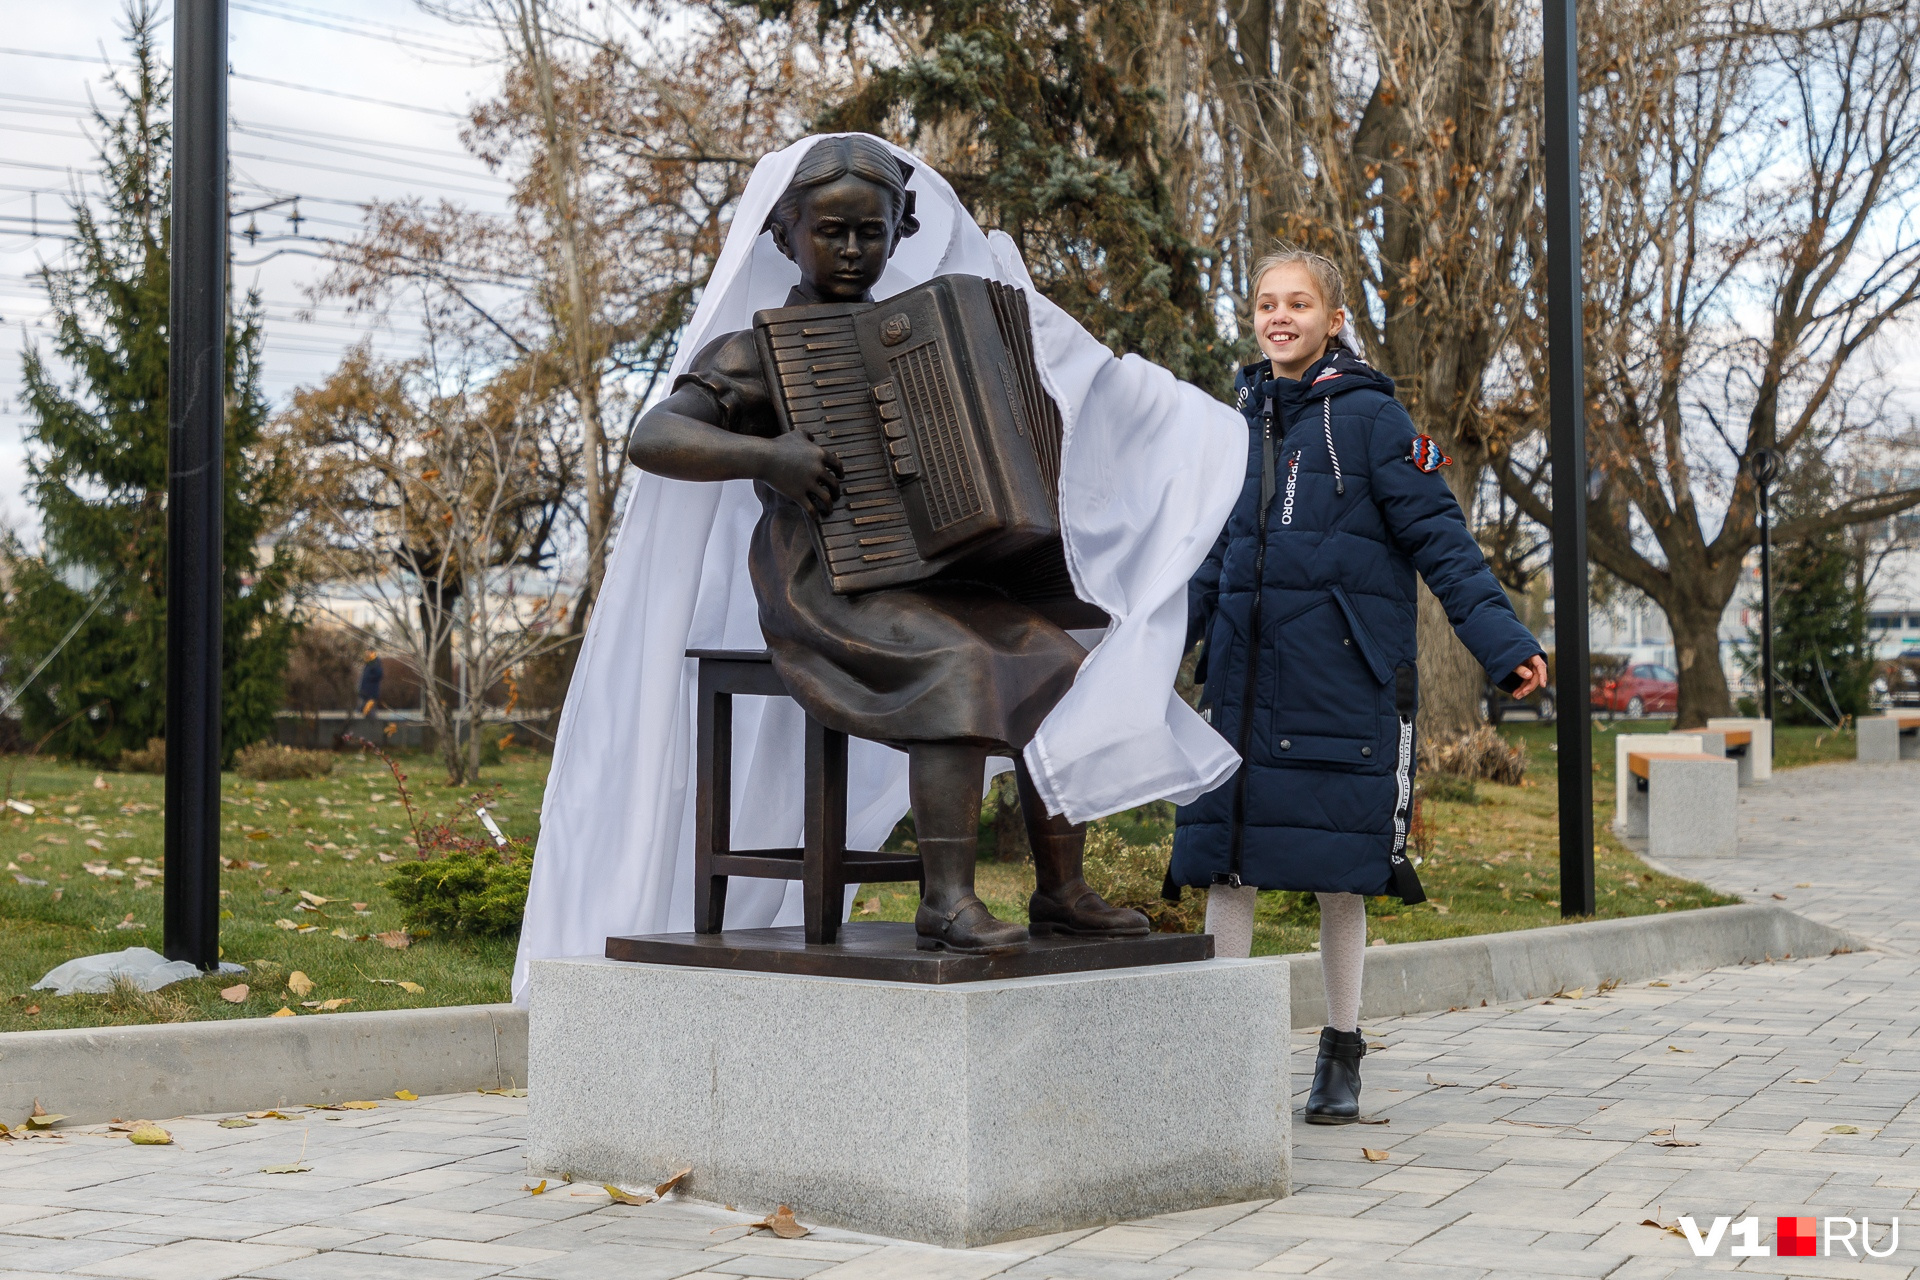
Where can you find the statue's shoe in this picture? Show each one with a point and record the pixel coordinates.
(969, 928)
(1085, 915)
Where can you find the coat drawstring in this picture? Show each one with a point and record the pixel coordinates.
(1326, 424)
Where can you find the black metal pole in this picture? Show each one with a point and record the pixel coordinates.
(1766, 465)
(1566, 384)
(196, 377)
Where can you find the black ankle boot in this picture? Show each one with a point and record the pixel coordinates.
(1336, 1078)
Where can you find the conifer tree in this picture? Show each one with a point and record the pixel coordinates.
(97, 466)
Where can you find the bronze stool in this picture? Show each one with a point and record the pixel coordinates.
(825, 866)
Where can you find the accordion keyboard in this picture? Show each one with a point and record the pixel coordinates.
(824, 386)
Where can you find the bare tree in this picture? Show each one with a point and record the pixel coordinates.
(439, 486)
(1751, 170)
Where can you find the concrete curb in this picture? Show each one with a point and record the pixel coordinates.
(250, 1064)
(1458, 973)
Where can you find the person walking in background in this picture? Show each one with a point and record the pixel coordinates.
(1306, 607)
(371, 674)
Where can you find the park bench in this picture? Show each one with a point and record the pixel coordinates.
(1886, 739)
(1685, 803)
(824, 865)
(1759, 766)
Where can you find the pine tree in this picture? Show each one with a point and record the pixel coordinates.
(97, 467)
(1060, 114)
(1820, 640)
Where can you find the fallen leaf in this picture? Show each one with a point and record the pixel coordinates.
(1804, 884)
(1373, 1154)
(411, 988)
(1803, 1081)
(387, 857)
(359, 1106)
(91, 843)
(268, 1115)
(398, 939)
(1781, 896)
(315, 898)
(100, 782)
(41, 1119)
(672, 1181)
(327, 1006)
(505, 1093)
(1663, 1226)
(284, 1013)
(871, 907)
(1674, 1048)
(1659, 1133)
(236, 994)
(627, 1197)
(287, 1168)
(1845, 1128)
(1442, 1084)
(259, 835)
(781, 1223)
(1574, 994)
(299, 983)
(1368, 1120)
(285, 924)
(359, 906)
(1659, 984)
(150, 1135)
(539, 1190)
(32, 1009)
(1676, 1142)
(406, 1095)
(236, 1122)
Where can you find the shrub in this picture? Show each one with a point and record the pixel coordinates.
(479, 892)
(271, 762)
(1482, 754)
(1130, 875)
(151, 760)
(1450, 788)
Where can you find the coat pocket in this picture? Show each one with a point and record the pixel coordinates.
(1328, 708)
(1369, 647)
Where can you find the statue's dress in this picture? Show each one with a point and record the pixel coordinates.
(935, 662)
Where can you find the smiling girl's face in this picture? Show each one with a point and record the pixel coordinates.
(1291, 320)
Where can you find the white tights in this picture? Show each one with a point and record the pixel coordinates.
(1343, 942)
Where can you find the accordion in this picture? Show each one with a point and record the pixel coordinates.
(951, 446)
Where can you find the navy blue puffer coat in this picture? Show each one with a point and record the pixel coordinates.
(1309, 658)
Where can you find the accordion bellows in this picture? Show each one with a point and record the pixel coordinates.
(950, 443)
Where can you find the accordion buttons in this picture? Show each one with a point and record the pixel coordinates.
(884, 392)
(896, 430)
(905, 468)
(899, 448)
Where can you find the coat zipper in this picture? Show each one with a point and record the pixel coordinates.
(1267, 486)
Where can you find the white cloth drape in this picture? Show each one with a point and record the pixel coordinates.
(1150, 468)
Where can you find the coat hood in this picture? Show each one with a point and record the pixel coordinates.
(1339, 370)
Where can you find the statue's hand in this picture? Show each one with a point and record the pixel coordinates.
(804, 471)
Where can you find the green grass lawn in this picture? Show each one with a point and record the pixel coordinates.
(335, 838)
(1487, 867)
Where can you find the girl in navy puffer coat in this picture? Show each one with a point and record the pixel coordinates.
(1306, 612)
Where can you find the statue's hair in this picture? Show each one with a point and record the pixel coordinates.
(863, 156)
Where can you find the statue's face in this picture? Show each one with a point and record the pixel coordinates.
(841, 239)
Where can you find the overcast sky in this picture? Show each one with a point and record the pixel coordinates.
(335, 101)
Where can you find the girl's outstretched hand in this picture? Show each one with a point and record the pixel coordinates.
(1533, 675)
(804, 471)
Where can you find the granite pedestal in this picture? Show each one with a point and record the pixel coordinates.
(955, 1114)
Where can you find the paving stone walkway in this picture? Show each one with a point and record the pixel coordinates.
(1521, 1141)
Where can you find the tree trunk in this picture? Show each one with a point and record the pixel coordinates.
(1451, 679)
(1696, 651)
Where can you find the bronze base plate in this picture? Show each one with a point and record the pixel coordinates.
(885, 951)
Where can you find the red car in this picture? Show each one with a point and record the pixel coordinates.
(1644, 688)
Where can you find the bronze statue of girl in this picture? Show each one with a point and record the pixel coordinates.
(949, 671)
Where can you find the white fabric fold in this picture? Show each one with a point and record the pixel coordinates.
(1150, 469)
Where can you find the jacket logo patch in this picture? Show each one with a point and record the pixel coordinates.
(1330, 373)
(1427, 455)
